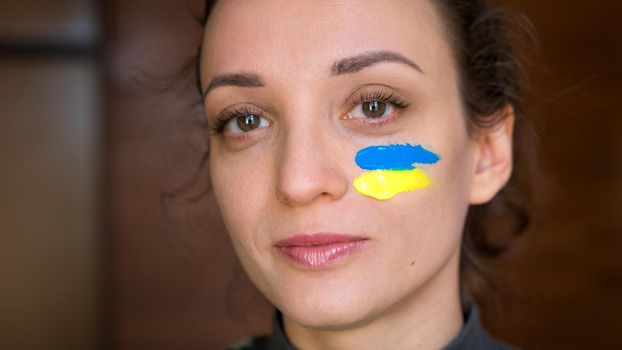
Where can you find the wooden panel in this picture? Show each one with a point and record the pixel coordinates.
(57, 21)
(49, 204)
(563, 285)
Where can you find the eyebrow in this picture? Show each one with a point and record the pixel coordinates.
(342, 66)
(356, 63)
(235, 79)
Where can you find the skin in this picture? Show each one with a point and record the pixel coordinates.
(294, 174)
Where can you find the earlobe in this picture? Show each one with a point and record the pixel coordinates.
(493, 159)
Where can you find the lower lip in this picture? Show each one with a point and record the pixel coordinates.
(320, 256)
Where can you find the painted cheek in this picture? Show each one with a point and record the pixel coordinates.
(392, 170)
(385, 184)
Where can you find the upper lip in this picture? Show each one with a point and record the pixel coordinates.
(318, 239)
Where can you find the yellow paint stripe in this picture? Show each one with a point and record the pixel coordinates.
(385, 184)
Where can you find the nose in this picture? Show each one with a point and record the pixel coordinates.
(309, 168)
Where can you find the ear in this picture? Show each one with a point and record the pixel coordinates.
(493, 158)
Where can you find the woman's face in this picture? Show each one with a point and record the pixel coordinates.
(309, 84)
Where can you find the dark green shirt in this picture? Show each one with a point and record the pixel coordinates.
(472, 336)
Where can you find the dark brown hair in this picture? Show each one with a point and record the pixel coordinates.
(486, 39)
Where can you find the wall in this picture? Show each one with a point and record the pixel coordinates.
(50, 195)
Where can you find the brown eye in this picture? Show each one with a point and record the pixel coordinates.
(374, 109)
(249, 122)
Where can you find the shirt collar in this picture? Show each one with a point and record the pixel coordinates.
(471, 336)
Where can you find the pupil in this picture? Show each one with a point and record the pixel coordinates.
(374, 109)
(248, 122)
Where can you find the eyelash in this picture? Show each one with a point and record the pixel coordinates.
(380, 96)
(228, 115)
(375, 95)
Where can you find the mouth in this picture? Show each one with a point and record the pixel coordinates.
(319, 250)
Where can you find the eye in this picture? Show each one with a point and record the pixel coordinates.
(245, 123)
(241, 120)
(376, 105)
(371, 109)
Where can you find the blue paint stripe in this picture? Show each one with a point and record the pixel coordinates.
(394, 157)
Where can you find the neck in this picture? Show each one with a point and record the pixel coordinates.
(429, 318)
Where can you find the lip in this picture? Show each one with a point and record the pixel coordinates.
(319, 250)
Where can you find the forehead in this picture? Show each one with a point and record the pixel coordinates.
(285, 37)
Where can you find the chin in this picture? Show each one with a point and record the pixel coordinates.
(327, 315)
(329, 304)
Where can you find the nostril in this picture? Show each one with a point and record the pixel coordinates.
(310, 166)
(302, 186)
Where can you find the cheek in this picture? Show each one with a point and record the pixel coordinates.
(437, 212)
(449, 195)
(244, 188)
(453, 177)
(239, 187)
(431, 236)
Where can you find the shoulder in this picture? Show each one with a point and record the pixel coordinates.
(473, 335)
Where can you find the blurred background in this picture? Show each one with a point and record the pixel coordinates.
(109, 238)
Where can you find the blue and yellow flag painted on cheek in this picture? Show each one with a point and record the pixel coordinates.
(392, 170)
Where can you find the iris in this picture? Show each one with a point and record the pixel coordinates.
(248, 122)
(374, 109)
